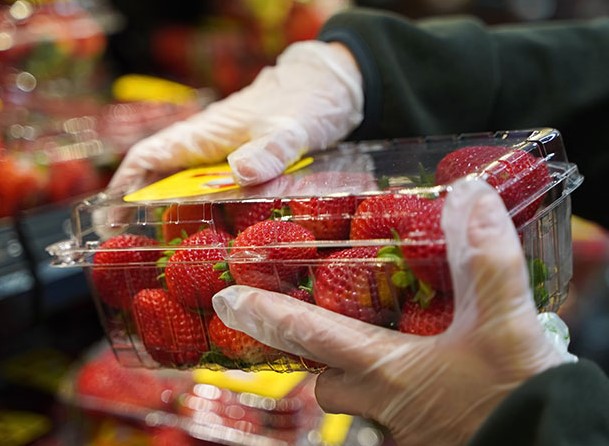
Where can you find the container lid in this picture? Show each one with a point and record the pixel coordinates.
(529, 168)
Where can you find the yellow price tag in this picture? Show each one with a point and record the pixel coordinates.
(196, 181)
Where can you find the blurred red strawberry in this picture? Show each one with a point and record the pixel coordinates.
(172, 335)
(122, 266)
(173, 436)
(273, 255)
(427, 319)
(71, 178)
(190, 272)
(519, 177)
(303, 22)
(20, 185)
(105, 378)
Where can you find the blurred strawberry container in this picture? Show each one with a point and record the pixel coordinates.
(45, 44)
(109, 403)
(355, 230)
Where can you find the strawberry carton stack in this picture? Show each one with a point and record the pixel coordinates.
(355, 229)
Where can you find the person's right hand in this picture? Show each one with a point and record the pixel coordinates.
(311, 99)
(434, 390)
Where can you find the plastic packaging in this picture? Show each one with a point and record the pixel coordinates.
(354, 229)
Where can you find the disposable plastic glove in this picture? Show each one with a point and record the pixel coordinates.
(310, 99)
(434, 390)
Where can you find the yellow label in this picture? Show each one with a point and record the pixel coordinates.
(334, 428)
(264, 383)
(203, 180)
(137, 87)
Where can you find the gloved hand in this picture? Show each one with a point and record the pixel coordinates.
(312, 98)
(427, 390)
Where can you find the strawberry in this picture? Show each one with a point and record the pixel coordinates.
(190, 275)
(379, 216)
(327, 218)
(172, 335)
(237, 345)
(263, 255)
(186, 219)
(120, 269)
(302, 294)
(517, 175)
(428, 319)
(20, 185)
(172, 436)
(423, 244)
(241, 215)
(104, 378)
(73, 177)
(354, 282)
(415, 219)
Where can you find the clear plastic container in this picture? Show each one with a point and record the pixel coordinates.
(354, 229)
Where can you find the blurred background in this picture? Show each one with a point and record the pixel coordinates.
(81, 81)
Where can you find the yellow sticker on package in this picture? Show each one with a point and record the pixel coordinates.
(203, 180)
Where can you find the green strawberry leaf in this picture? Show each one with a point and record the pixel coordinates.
(383, 182)
(538, 274)
(306, 284)
(425, 177)
(403, 279)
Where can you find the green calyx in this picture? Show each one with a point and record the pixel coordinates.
(538, 274)
(404, 278)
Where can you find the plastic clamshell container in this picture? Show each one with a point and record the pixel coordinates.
(354, 229)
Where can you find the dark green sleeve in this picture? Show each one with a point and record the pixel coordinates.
(564, 406)
(455, 75)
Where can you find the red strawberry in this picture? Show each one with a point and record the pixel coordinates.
(376, 217)
(172, 436)
(427, 320)
(354, 282)
(415, 219)
(516, 174)
(104, 378)
(241, 215)
(327, 218)
(237, 345)
(264, 255)
(74, 177)
(120, 269)
(172, 335)
(180, 219)
(20, 185)
(301, 294)
(190, 274)
(423, 244)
